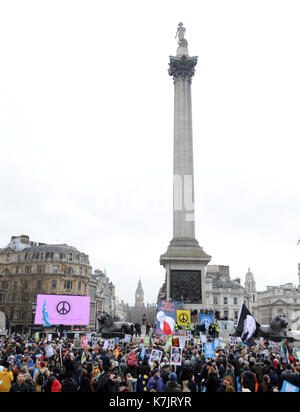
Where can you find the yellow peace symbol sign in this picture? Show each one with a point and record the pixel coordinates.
(183, 318)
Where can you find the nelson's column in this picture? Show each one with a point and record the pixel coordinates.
(185, 261)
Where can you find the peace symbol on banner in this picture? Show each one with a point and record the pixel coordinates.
(63, 308)
(183, 317)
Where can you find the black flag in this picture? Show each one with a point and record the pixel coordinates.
(247, 326)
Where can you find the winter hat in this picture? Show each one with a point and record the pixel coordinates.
(42, 364)
(173, 376)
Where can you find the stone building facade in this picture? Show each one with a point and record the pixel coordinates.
(223, 295)
(30, 268)
(281, 300)
(103, 297)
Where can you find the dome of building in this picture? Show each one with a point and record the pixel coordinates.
(249, 276)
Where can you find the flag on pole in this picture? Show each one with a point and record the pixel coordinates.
(286, 352)
(246, 326)
(83, 357)
(143, 352)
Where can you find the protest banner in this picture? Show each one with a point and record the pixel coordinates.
(183, 317)
(176, 356)
(84, 342)
(166, 318)
(49, 351)
(206, 320)
(226, 327)
(94, 341)
(203, 338)
(288, 387)
(156, 356)
(77, 343)
(209, 350)
(217, 343)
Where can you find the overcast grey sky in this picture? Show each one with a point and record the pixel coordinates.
(86, 127)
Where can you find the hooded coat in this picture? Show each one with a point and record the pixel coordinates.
(6, 379)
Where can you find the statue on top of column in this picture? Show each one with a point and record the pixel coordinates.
(182, 42)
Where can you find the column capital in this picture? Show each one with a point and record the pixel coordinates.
(182, 67)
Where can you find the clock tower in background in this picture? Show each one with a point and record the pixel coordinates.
(139, 296)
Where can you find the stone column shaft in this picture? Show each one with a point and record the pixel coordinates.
(183, 207)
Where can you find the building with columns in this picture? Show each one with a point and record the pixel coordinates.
(103, 296)
(30, 268)
(223, 295)
(283, 300)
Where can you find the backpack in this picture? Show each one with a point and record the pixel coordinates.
(100, 381)
(48, 384)
(30, 385)
(42, 378)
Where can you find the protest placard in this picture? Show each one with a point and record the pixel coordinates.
(156, 356)
(176, 356)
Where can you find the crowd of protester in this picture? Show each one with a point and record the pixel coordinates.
(125, 367)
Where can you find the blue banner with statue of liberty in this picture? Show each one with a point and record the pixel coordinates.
(207, 320)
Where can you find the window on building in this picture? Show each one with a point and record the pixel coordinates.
(62, 256)
(236, 314)
(226, 314)
(68, 285)
(2, 298)
(7, 257)
(79, 285)
(215, 300)
(55, 269)
(254, 298)
(225, 301)
(28, 270)
(54, 283)
(15, 285)
(80, 271)
(42, 256)
(71, 257)
(4, 285)
(39, 285)
(25, 285)
(25, 298)
(49, 255)
(40, 269)
(17, 270)
(235, 301)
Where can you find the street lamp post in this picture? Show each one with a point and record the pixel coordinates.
(33, 307)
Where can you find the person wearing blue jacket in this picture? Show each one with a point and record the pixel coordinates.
(156, 383)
